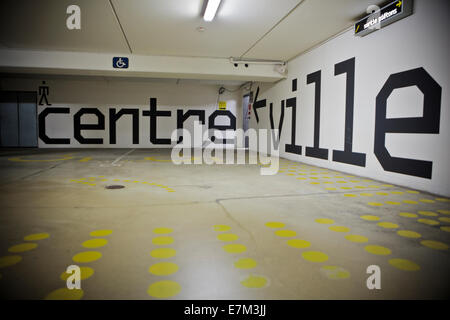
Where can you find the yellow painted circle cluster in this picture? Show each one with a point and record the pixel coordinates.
(164, 289)
(254, 281)
(87, 256)
(404, 264)
(163, 253)
(163, 268)
(335, 272)
(65, 294)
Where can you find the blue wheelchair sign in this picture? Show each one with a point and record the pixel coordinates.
(120, 62)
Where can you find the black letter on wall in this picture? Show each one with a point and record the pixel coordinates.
(153, 113)
(77, 126)
(292, 147)
(347, 156)
(42, 134)
(182, 117)
(258, 104)
(429, 123)
(113, 117)
(315, 151)
(276, 140)
(212, 125)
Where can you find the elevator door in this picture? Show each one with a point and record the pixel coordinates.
(18, 119)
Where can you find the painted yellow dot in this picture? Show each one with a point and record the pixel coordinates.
(227, 237)
(408, 215)
(409, 234)
(428, 213)
(314, 183)
(356, 238)
(375, 204)
(410, 201)
(382, 193)
(87, 256)
(397, 192)
(162, 240)
(164, 289)
(434, 244)
(163, 253)
(346, 188)
(314, 256)
(254, 281)
(335, 272)
(426, 200)
(100, 233)
(444, 219)
(162, 230)
(163, 268)
(331, 189)
(429, 222)
(7, 261)
(387, 225)
(378, 250)
(273, 224)
(221, 227)
(366, 194)
(234, 248)
(350, 195)
(245, 263)
(370, 218)
(298, 243)
(36, 236)
(85, 272)
(413, 191)
(324, 221)
(339, 229)
(65, 294)
(22, 247)
(285, 233)
(444, 211)
(445, 228)
(393, 203)
(405, 265)
(94, 243)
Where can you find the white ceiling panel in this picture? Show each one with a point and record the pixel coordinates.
(168, 27)
(311, 23)
(41, 24)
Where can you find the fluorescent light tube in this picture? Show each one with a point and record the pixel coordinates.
(211, 9)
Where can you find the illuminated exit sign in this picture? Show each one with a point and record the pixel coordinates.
(380, 18)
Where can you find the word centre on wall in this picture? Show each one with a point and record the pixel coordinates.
(157, 135)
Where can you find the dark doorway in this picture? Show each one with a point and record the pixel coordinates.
(18, 119)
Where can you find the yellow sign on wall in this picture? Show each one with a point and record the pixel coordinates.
(222, 105)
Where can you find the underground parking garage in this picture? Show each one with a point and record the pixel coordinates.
(224, 150)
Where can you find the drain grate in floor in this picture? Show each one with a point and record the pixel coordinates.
(115, 186)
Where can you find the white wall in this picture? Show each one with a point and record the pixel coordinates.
(121, 93)
(420, 40)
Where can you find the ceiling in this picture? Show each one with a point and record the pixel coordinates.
(263, 29)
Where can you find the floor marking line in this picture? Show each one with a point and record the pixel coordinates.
(120, 157)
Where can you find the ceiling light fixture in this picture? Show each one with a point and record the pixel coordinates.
(211, 9)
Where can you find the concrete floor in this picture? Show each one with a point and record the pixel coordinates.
(226, 232)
